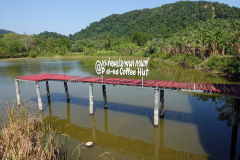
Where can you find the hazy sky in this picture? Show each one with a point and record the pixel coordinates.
(68, 16)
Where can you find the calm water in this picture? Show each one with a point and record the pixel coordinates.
(195, 126)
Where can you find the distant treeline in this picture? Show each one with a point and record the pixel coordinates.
(3, 31)
(15, 45)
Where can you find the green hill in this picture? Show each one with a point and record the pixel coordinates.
(160, 22)
(54, 35)
(3, 31)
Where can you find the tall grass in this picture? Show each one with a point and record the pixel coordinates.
(24, 136)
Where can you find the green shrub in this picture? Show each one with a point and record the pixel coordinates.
(187, 59)
(90, 51)
(191, 60)
(155, 55)
(107, 53)
(230, 65)
(213, 62)
(165, 55)
(140, 38)
(152, 47)
(32, 54)
(139, 54)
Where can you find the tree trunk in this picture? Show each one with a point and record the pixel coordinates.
(223, 51)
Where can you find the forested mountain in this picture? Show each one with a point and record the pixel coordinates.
(47, 34)
(161, 22)
(3, 31)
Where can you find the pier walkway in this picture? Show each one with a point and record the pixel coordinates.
(231, 90)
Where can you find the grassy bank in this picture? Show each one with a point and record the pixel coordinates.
(24, 136)
(218, 64)
(224, 65)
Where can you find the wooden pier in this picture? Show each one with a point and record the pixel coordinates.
(232, 90)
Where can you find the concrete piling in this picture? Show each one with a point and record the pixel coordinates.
(91, 98)
(156, 107)
(18, 92)
(39, 97)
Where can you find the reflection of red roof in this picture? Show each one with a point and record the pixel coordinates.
(226, 89)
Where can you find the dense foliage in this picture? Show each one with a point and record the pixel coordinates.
(161, 22)
(15, 45)
(216, 42)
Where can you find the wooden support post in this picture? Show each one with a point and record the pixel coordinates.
(91, 98)
(39, 97)
(66, 91)
(104, 96)
(48, 92)
(161, 103)
(18, 92)
(156, 107)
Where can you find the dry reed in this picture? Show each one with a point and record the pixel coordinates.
(24, 136)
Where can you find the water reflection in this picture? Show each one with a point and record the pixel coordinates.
(93, 128)
(164, 71)
(129, 145)
(235, 129)
(180, 116)
(156, 142)
(68, 110)
(158, 70)
(125, 145)
(228, 111)
(29, 67)
(225, 110)
(106, 120)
